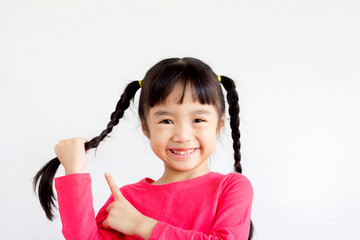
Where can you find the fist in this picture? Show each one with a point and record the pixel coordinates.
(72, 155)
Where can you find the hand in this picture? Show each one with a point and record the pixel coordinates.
(72, 155)
(124, 217)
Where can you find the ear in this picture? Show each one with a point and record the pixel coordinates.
(221, 124)
(145, 129)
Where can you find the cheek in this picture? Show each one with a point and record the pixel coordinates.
(159, 139)
(211, 131)
(208, 137)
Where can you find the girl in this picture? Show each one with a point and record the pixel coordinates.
(182, 112)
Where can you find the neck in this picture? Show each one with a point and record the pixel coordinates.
(171, 175)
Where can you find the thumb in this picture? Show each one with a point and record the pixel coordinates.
(113, 187)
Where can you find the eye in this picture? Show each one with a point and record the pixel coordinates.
(198, 120)
(166, 121)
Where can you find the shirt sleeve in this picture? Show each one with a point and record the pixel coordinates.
(232, 218)
(76, 209)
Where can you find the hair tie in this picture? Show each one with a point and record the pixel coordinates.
(140, 83)
(219, 77)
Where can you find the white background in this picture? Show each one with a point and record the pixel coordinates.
(64, 64)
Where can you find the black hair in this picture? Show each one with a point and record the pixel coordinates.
(156, 86)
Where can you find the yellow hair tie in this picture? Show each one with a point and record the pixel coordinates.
(140, 83)
(219, 77)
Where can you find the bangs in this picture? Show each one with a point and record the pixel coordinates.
(201, 84)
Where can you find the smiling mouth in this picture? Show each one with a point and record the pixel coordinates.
(182, 152)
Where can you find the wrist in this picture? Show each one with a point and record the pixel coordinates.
(146, 227)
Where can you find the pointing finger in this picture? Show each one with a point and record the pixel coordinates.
(113, 187)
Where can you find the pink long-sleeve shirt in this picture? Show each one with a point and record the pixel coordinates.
(212, 206)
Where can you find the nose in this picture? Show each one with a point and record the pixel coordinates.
(182, 133)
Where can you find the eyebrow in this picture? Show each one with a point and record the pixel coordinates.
(198, 111)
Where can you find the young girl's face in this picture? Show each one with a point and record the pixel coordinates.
(183, 135)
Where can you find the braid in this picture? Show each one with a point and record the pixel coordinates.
(234, 109)
(120, 108)
(45, 176)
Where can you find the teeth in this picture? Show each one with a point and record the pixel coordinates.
(184, 152)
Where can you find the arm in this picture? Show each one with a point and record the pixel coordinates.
(76, 205)
(75, 195)
(76, 209)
